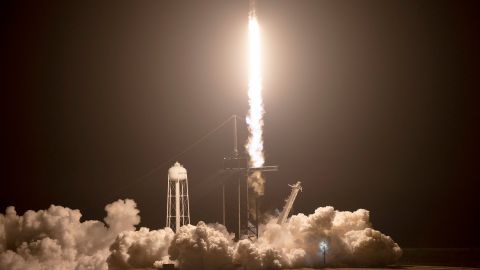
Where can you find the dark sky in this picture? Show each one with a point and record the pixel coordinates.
(371, 104)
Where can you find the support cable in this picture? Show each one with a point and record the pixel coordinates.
(173, 158)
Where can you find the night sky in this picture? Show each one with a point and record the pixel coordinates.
(371, 104)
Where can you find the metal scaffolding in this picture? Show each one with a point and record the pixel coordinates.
(178, 208)
(247, 202)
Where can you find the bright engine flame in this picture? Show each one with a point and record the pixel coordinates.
(255, 114)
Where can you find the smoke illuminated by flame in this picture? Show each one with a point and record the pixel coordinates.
(255, 114)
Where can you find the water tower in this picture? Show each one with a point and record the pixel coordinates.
(178, 209)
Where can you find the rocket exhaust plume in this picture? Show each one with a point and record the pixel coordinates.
(255, 114)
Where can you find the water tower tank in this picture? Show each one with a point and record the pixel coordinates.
(177, 172)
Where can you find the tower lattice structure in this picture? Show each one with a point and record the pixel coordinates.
(178, 207)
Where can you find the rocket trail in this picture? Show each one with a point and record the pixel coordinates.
(254, 119)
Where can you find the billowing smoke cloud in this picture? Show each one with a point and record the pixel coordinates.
(351, 240)
(295, 244)
(140, 249)
(56, 239)
(257, 183)
(203, 247)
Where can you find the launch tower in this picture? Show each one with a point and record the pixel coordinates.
(242, 217)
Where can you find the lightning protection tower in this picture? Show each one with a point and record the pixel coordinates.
(178, 209)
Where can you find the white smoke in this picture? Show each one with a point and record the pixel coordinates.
(295, 244)
(257, 183)
(254, 256)
(140, 249)
(56, 239)
(351, 240)
(202, 247)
